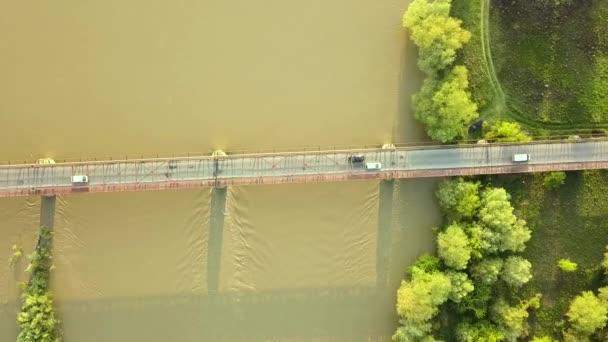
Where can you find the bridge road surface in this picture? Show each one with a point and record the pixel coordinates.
(298, 167)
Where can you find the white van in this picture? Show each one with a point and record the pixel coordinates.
(521, 157)
(373, 166)
(80, 179)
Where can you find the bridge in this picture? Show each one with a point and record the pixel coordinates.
(31, 179)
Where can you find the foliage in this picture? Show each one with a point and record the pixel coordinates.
(458, 198)
(505, 131)
(37, 319)
(418, 301)
(516, 271)
(446, 108)
(566, 265)
(480, 240)
(482, 331)
(555, 179)
(496, 213)
(427, 263)
(587, 313)
(542, 339)
(605, 261)
(453, 247)
(476, 302)
(487, 270)
(461, 286)
(511, 319)
(437, 35)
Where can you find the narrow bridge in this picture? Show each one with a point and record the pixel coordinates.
(299, 167)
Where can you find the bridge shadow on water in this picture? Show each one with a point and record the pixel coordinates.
(278, 314)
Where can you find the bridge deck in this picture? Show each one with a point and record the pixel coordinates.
(298, 167)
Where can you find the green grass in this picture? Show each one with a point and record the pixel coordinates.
(536, 66)
(569, 222)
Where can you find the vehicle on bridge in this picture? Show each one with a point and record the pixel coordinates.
(373, 166)
(80, 179)
(356, 158)
(521, 157)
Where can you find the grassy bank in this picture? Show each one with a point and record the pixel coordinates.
(569, 222)
(530, 62)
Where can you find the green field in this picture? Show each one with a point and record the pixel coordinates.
(569, 222)
(532, 63)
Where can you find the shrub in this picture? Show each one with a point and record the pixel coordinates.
(555, 179)
(566, 265)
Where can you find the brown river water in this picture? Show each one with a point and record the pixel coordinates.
(302, 262)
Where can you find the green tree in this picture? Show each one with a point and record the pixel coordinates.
(553, 180)
(418, 301)
(459, 198)
(461, 286)
(476, 302)
(511, 319)
(587, 313)
(516, 271)
(427, 263)
(480, 240)
(480, 331)
(566, 265)
(487, 270)
(496, 214)
(542, 339)
(453, 108)
(453, 247)
(505, 131)
(437, 35)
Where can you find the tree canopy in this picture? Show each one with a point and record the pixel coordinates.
(418, 301)
(458, 198)
(516, 271)
(453, 247)
(437, 35)
(587, 313)
(496, 214)
(446, 108)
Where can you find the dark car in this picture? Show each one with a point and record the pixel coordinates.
(357, 158)
(475, 126)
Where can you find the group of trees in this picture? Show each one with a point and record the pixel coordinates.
(476, 277)
(444, 103)
(37, 319)
(588, 312)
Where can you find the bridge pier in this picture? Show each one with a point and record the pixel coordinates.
(383, 235)
(216, 236)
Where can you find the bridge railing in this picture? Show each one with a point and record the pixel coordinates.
(240, 153)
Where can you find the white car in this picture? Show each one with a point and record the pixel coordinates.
(522, 157)
(373, 166)
(80, 179)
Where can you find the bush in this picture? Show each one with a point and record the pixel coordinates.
(566, 265)
(505, 131)
(554, 180)
(426, 263)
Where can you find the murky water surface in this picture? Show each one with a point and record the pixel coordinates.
(314, 262)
